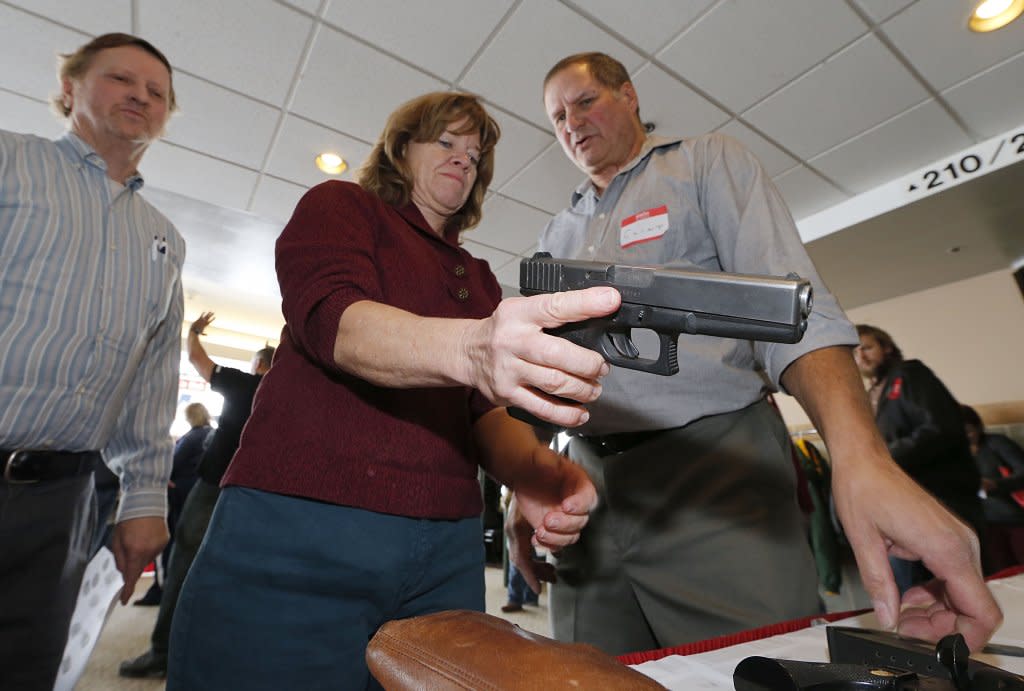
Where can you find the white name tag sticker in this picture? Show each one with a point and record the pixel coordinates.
(643, 227)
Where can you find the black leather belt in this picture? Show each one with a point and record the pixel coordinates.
(609, 444)
(23, 466)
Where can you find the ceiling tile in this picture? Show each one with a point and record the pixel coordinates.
(519, 144)
(539, 34)
(221, 123)
(934, 36)
(508, 225)
(187, 173)
(255, 48)
(496, 258)
(773, 159)
(993, 101)
(508, 275)
(276, 199)
(252, 46)
(299, 144)
(352, 88)
(742, 51)
(806, 193)
(33, 45)
(880, 10)
(846, 95)
(634, 22)
(310, 6)
(907, 142)
(439, 36)
(250, 275)
(21, 114)
(547, 183)
(237, 248)
(672, 106)
(92, 17)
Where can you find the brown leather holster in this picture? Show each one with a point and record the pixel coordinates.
(470, 650)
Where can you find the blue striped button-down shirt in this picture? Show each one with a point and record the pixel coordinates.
(90, 314)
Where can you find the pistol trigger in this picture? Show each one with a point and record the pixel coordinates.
(623, 346)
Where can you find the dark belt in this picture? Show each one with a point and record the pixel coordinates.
(22, 466)
(608, 444)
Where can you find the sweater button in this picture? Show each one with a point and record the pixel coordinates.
(460, 271)
(463, 294)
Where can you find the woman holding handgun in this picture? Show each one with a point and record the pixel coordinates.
(353, 498)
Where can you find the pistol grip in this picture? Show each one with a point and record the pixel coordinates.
(770, 674)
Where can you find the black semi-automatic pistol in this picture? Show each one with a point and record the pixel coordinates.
(867, 659)
(669, 302)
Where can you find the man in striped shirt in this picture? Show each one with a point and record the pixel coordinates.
(90, 320)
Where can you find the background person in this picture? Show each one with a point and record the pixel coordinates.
(694, 472)
(1000, 462)
(923, 427)
(353, 498)
(184, 473)
(518, 590)
(89, 346)
(188, 452)
(238, 389)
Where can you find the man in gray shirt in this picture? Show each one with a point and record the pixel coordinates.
(698, 533)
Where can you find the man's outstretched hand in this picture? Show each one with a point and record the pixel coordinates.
(886, 513)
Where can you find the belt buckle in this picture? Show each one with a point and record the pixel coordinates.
(8, 476)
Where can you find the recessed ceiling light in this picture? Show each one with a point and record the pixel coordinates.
(333, 164)
(990, 15)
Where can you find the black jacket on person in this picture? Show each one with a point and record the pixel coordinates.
(1000, 459)
(922, 424)
(187, 452)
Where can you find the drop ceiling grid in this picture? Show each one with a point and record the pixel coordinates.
(763, 72)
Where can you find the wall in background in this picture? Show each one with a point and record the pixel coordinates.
(970, 333)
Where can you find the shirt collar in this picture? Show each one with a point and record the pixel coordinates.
(411, 213)
(651, 142)
(76, 147)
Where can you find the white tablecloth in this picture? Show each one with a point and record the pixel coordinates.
(713, 670)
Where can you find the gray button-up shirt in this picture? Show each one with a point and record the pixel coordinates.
(701, 203)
